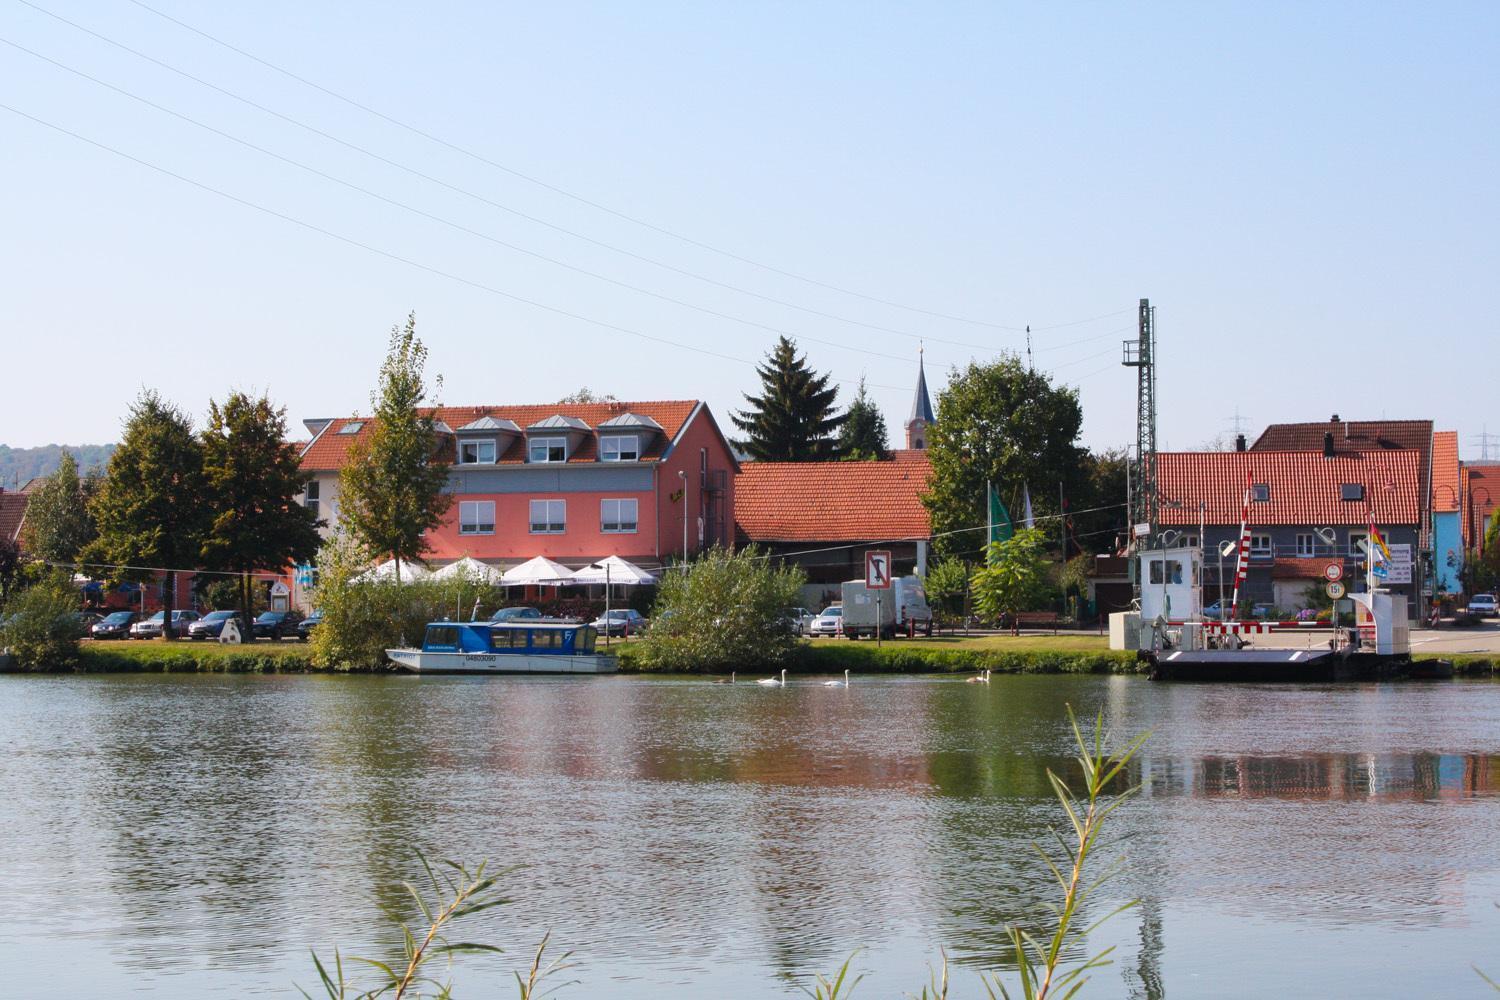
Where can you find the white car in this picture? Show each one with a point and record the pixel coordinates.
(1483, 605)
(830, 622)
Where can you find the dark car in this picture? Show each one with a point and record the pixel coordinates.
(276, 624)
(515, 614)
(306, 625)
(151, 627)
(211, 625)
(621, 621)
(115, 625)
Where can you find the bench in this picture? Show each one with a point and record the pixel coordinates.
(1035, 619)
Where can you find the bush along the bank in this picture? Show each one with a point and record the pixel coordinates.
(41, 627)
(184, 658)
(903, 658)
(724, 610)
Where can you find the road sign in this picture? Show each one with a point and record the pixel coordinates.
(1333, 572)
(1142, 530)
(878, 570)
(1334, 589)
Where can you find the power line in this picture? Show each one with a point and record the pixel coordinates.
(480, 158)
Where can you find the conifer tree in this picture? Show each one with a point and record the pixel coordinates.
(391, 489)
(863, 436)
(150, 508)
(252, 475)
(792, 420)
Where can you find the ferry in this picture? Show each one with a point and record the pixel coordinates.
(517, 647)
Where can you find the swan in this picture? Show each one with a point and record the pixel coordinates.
(726, 680)
(983, 678)
(838, 684)
(773, 682)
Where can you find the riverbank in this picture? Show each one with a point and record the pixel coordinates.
(187, 657)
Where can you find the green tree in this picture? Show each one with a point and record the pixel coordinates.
(1100, 502)
(1004, 423)
(947, 584)
(10, 566)
(252, 475)
(150, 509)
(58, 523)
(863, 436)
(391, 490)
(1013, 577)
(41, 627)
(792, 420)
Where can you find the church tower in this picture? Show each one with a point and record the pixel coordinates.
(921, 411)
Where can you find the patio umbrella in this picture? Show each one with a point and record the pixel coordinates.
(613, 570)
(386, 571)
(468, 568)
(538, 571)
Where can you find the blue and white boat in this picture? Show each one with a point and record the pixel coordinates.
(517, 647)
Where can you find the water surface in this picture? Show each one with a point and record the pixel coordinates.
(193, 836)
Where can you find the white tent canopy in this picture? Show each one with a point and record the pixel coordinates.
(613, 570)
(537, 571)
(386, 572)
(468, 568)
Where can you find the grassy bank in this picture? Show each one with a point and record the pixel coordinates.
(157, 656)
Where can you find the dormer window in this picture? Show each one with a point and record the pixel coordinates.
(1261, 492)
(620, 448)
(548, 449)
(481, 452)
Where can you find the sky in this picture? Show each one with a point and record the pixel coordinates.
(640, 197)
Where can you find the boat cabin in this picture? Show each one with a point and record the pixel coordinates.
(520, 637)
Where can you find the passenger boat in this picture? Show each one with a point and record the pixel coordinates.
(519, 647)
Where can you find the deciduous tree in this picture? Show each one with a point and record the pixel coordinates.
(793, 418)
(392, 488)
(1013, 577)
(58, 524)
(863, 436)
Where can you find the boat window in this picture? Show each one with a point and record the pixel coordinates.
(506, 638)
(546, 639)
(442, 635)
(584, 643)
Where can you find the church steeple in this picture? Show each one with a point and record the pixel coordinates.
(921, 411)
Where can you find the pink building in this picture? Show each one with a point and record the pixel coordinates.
(572, 482)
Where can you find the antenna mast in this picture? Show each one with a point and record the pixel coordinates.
(1140, 354)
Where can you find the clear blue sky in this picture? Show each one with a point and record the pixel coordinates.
(1307, 192)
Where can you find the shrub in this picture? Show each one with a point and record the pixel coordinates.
(727, 609)
(41, 628)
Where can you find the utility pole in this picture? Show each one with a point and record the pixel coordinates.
(1483, 439)
(1140, 354)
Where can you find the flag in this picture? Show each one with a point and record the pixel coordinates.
(1002, 529)
(1380, 552)
(1028, 518)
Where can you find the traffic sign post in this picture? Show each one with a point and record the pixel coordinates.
(1334, 589)
(878, 579)
(1333, 572)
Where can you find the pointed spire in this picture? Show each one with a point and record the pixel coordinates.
(921, 406)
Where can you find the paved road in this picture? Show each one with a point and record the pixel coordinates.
(1483, 639)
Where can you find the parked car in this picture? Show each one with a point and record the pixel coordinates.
(115, 625)
(277, 624)
(211, 625)
(306, 625)
(516, 614)
(1212, 612)
(830, 622)
(621, 621)
(86, 621)
(151, 627)
(1483, 605)
(800, 620)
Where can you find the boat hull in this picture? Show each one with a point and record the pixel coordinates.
(422, 662)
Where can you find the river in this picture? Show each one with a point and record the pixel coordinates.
(193, 836)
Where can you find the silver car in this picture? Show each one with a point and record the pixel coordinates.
(151, 627)
(830, 622)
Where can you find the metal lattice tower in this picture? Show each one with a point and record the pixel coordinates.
(1140, 354)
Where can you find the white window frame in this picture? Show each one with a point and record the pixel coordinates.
(549, 526)
(617, 524)
(1268, 549)
(312, 496)
(1355, 537)
(474, 519)
(478, 445)
(546, 444)
(1308, 550)
(611, 448)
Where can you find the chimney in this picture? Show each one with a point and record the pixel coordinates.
(1328, 445)
(1239, 442)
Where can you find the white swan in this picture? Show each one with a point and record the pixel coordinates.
(729, 680)
(838, 684)
(983, 678)
(773, 682)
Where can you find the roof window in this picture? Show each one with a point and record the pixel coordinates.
(352, 427)
(1261, 492)
(1351, 491)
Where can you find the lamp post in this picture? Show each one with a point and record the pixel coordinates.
(1163, 540)
(1225, 547)
(682, 474)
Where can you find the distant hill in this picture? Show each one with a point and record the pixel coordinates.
(19, 466)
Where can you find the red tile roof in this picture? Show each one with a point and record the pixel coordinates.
(1354, 437)
(1304, 487)
(1298, 569)
(327, 451)
(1481, 489)
(832, 501)
(12, 512)
(1445, 471)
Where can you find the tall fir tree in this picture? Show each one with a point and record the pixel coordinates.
(150, 509)
(391, 491)
(863, 436)
(793, 419)
(58, 524)
(252, 476)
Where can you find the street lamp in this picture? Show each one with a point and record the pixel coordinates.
(682, 474)
(1165, 615)
(1225, 547)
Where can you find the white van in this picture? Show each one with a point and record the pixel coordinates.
(901, 608)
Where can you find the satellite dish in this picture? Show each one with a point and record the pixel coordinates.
(1226, 548)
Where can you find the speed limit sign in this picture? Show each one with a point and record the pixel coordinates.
(1334, 589)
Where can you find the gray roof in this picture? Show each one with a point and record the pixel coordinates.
(441, 427)
(558, 422)
(921, 406)
(488, 423)
(631, 421)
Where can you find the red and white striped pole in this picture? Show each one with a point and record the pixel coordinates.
(1242, 567)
